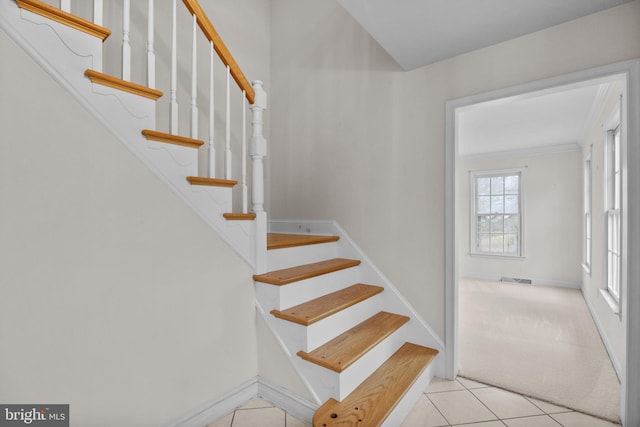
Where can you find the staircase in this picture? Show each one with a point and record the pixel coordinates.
(364, 354)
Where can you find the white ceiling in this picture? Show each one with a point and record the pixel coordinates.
(420, 32)
(540, 121)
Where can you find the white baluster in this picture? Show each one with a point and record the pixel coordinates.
(258, 148)
(227, 147)
(212, 118)
(65, 5)
(194, 81)
(244, 153)
(98, 12)
(126, 47)
(173, 101)
(151, 54)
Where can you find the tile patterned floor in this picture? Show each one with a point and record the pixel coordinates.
(445, 403)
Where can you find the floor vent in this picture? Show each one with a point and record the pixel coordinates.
(516, 280)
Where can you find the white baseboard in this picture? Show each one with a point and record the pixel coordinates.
(605, 340)
(534, 281)
(255, 387)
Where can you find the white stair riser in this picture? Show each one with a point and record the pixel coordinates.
(290, 257)
(307, 338)
(285, 296)
(339, 385)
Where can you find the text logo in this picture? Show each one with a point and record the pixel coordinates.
(34, 415)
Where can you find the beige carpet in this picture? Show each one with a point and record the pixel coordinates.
(538, 341)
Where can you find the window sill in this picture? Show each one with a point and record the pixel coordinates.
(611, 302)
(494, 256)
(587, 269)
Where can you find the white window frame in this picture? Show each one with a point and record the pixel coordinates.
(587, 248)
(613, 211)
(473, 231)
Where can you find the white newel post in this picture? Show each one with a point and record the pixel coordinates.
(258, 151)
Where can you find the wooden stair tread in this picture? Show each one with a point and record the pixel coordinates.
(239, 216)
(373, 400)
(211, 182)
(306, 271)
(64, 18)
(342, 351)
(154, 135)
(116, 83)
(317, 309)
(281, 241)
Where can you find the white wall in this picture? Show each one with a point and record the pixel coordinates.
(115, 297)
(359, 141)
(552, 198)
(611, 325)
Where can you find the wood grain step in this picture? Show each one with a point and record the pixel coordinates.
(373, 400)
(123, 85)
(281, 241)
(342, 351)
(306, 271)
(154, 135)
(211, 182)
(239, 216)
(317, 309)
(64, 18)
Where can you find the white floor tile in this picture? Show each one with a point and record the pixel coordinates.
(292, 421)
(440, 384)
(537, 421)
(424, 414)
(577, 419)
(261, 417)
(460, 407)
(223, 422)
(470, 383)
(483, 424)
(506, 404)
(548, 408)
(256, 403)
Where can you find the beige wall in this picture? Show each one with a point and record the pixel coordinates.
(610, 324)
(115, 297)
(361, 142)
(552, 199)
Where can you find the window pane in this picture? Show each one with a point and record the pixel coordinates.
(497, 185)
(484, 242)
(483, 205)
(511, 204)
(484, 186)
(511, 184)
(484, 224)
(511, 223)
(497, 243)
(497, 204)
(497, 224)
(511, 243)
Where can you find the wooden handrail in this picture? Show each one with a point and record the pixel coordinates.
(221, 49)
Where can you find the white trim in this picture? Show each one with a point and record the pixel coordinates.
(630, 412)
(256, 387)
(525, 152)
(611, 301)
(535, 281)
(607, 345)
(217, 408)
(285, 399)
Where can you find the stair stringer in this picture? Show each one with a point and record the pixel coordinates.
(65, 53)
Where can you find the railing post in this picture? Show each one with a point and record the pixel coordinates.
(173, 91)
(212, 116)
(258, 147)
(258, 151)
(98, 12)
(65, 5)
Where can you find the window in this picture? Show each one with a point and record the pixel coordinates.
(613, 210)
(496, 221)
(586, 254)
